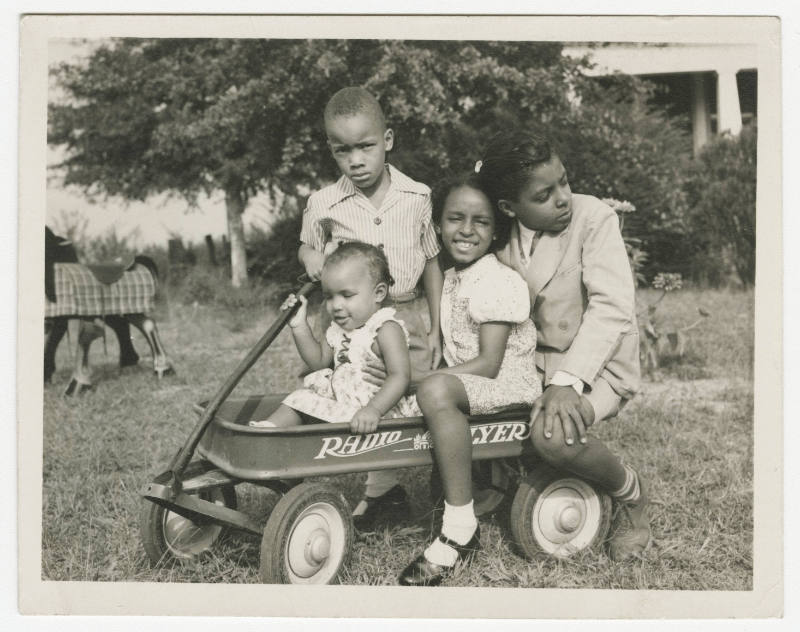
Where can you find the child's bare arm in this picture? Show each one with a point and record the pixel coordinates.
(432, 282)
(492, 340)
(315, 354)
(312, 261)
(394, 349)
(492, 349)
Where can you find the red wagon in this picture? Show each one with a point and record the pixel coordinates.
(309, 533)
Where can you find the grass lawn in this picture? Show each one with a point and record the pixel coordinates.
(690, 433)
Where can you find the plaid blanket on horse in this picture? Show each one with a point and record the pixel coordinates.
(79, 293)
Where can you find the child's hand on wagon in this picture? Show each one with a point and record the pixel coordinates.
(302, 312)
(365, 420)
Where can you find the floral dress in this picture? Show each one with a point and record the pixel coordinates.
(335, 395)
(488, 291)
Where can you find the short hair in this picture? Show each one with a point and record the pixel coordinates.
(502, 222)
(351, 101)
(374, 259)
(509, 161)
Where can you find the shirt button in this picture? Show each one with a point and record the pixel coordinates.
(562, 325)
(377, 220)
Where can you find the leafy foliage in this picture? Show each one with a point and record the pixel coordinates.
(272, 253)
(637, 257)
(620, 147)
(722, 191)
(243, 116)
(668, 281)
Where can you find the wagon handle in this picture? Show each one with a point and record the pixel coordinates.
(183, 457)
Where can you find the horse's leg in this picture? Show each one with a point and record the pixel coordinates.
(81, 380)
(121, 327)
(145, 324)
(57, 329)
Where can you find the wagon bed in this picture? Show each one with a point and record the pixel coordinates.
(320, 449)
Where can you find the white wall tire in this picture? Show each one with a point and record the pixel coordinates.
(308, 537)
(168, 535)
(558, 515)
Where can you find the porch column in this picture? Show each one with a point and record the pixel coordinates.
(729, 114)
(701, 116)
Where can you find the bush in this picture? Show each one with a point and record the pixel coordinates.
(198, 284)
(210, 286)
(617, 145)
(272, 252)
(636, 256)
(722, 193)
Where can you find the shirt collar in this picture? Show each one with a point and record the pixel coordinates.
(401, 182)
(526, 236)
(398, 181)
(486, 260)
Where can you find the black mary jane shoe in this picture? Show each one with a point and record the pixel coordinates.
(389, 509)
(422, 572)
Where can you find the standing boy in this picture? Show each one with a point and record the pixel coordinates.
(375, 203)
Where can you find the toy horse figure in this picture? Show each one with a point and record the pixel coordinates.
(83, 298)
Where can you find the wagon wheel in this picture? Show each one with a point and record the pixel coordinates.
(490, 482)
(308, 537)
(166, 534)
(558, 514)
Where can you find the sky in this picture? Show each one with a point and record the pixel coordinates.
(141, 223)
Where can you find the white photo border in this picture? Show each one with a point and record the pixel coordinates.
(46, 597)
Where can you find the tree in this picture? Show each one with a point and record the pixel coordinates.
(243, 116)
(183, 116)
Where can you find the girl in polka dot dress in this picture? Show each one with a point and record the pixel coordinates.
(489, 347)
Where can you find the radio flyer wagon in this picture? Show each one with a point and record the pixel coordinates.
(309, 533)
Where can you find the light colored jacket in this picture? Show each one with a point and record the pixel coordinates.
(582, 298)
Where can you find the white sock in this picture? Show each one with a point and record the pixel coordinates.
(630, 491)
(380, 481)
(458, 524)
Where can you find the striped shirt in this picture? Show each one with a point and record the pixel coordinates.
(402, 227)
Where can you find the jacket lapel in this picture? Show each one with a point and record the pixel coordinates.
(543, 264)
(545, 260)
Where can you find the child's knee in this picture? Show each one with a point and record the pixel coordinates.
(434, 393)
(554, 449)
